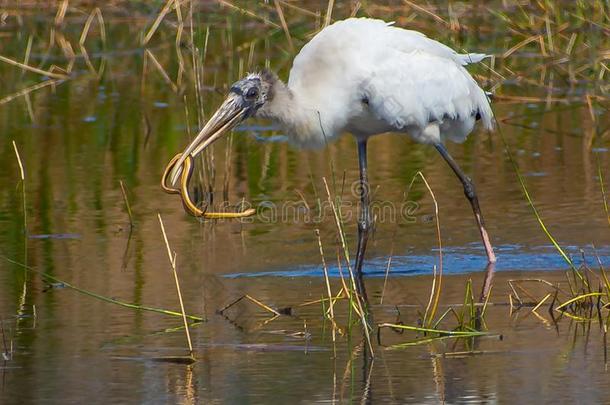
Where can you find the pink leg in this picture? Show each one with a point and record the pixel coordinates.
(471, 194)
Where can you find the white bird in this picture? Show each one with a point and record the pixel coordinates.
(366, 77)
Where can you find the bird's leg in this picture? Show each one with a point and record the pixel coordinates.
(471, 194)
(364, 221)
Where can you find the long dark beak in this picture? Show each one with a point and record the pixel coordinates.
(229, 114)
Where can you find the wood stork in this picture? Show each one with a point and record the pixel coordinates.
(366, 77)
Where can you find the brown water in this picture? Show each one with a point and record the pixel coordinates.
(80, 138)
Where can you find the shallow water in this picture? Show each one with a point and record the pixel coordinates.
(80, 349)
(80, 138)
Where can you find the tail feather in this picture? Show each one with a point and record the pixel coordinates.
(469, 58)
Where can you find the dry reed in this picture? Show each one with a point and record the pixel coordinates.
(172, 261)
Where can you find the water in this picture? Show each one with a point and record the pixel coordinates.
(81, 137)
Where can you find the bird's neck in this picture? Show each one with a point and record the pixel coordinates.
(297, 116)
(280, 105)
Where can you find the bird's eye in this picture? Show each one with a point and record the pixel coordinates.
(252, 92)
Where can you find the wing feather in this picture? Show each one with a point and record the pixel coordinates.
(417, 88)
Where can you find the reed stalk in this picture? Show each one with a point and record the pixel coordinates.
(437, 277)
(327, 281)
(172, 261)
(127, 205)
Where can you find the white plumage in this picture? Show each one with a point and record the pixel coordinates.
(367, 77)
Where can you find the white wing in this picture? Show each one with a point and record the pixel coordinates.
(412, 90)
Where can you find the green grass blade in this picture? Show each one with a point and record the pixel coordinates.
(101, 297)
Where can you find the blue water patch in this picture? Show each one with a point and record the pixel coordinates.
(256, 128)
(456, 260)
(55, 236)
(271, 139)
(535, 174)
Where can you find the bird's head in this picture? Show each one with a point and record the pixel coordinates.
(245, 98)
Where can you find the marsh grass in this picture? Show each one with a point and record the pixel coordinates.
(96, 13)
(23, 192)
(586, 301)
(7, 343)
(331, 304)
(352, 291)
(468, 318)
(172, 260)
(33, 69)
(566, 37)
